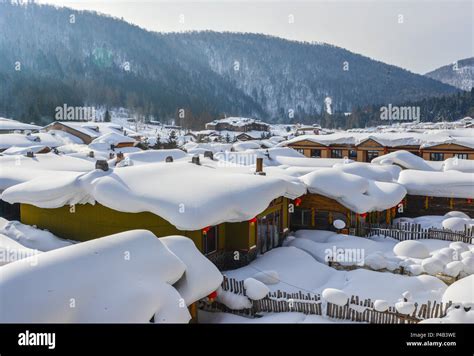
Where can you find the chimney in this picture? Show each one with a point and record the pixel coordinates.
(119, 158)
(169, 159)
(102, 164)
(196, 160)
(259, 167)
(209, 154)
(30, 154)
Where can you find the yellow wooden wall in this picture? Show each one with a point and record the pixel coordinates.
(86, 222)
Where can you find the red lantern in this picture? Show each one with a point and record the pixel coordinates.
(253, 220)
(469, 201)
(364, 215)
(206, 229)
(212, 296)
(297, 201)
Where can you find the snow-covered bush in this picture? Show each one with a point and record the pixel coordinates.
(255, 289)
(411, 248)
(335, 296)
(381, 305)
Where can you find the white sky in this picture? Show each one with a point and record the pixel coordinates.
(433, 33)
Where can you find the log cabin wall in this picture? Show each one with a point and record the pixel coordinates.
(417, 205)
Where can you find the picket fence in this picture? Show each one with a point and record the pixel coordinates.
(404, 231)
(356, 310)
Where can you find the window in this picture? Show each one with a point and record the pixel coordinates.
(209, 243)
(461, 155)
(371, 155)
(436, 156)
(301, 217)
(300, 150)
(336, 153)
(352, 154)
(316, 153)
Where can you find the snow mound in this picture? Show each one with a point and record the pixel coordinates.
(461, 291)
(267, 277)
(381, 305)
(31, 237)
(11, 251)
(456, 224)
(201, 277)
(404, 159)
(411, 248)
(454, 268)
(405, 307)
(255, 290)
(433, 265)
(457, 214)
(125, 277)
(354, 192)
(335, 296)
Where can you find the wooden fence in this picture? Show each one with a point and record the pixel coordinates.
(408, 231)
(356, 310)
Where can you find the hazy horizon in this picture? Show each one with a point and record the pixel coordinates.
(392, 32)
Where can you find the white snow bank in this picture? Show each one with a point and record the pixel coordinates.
(31, 237)
(125, 277)
(451, 184)
(255, 289)
(354, 192)
(174, 191)
(201, 277)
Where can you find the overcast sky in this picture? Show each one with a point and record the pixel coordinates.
(419, 35)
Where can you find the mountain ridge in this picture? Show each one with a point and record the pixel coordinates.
(278, 79)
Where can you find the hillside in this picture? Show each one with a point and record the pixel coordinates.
(102, 61)
(460, 74)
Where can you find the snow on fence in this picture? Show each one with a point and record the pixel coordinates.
(405, 231)
(356, 310)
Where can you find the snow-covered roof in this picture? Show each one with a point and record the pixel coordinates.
(113, 138)
(21, 140)
(127, 277)
(450, 184)
(12, 125)
(238, 121)
(464, 137)
(96, 129)
(355, 192)
(176, 191)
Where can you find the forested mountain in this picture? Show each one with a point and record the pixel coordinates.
(435, 109)
(459, 74)
(51, 56)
